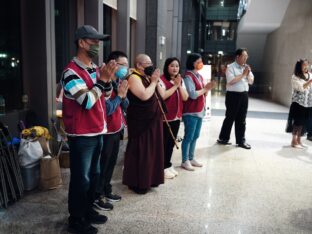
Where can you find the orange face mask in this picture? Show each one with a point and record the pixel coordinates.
(199, 66)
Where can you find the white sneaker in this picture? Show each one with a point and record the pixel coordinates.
(195, 163)
(173, 171)
(187, 166)
(168, 174)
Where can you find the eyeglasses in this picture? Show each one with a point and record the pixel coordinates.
(148, 63)
(244, 56)
(123, 64)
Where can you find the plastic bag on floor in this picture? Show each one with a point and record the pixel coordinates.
(29, 152)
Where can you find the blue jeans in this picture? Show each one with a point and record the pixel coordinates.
(192, 126)
(84, 173)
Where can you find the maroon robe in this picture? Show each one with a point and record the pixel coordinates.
(144, 157)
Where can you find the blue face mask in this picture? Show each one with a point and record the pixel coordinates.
(121, 73)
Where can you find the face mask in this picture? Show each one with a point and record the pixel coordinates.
(93, 51)
(121, 73)
(149, 70)
(199, 66)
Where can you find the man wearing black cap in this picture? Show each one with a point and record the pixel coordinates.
(84, 118)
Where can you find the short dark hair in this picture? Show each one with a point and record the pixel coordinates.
(298, 68)
(167, 63)
(115, 55)
(191, 58)
(239, 51)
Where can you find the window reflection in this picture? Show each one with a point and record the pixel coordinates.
(218, 30)
(10, 54)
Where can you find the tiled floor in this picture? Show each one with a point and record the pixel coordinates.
(267, 189)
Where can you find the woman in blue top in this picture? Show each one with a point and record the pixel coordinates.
(193, 109)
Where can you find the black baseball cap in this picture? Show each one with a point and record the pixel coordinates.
(89, 32)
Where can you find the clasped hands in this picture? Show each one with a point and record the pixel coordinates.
(107, 71)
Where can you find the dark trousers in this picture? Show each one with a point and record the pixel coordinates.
(169, 142)
(84, 172)
(108, 161)
(236, 104)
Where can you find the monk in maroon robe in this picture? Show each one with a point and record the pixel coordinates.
(144, 157)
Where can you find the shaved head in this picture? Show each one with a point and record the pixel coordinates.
(142, 59)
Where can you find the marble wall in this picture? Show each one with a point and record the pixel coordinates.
(284, 46)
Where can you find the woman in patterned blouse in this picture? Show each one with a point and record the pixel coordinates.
(301, 101)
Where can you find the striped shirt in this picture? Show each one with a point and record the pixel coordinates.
(75, 87)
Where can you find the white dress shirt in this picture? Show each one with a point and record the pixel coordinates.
(233, 70)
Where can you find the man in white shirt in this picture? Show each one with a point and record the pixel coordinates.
(238, 77)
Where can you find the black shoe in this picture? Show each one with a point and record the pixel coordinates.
(138, 190)
(95, 217)
(113, 197)
(244, 145)
(103, 205)
(223, 142)
(309, 138)
(81, 226)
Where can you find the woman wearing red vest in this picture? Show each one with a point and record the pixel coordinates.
(174, 94)
(193, 109)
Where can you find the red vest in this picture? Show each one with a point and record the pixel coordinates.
(115, 121)
(174, 103)
(77, 120)
(195, 105)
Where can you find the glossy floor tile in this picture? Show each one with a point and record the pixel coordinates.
(267, 189)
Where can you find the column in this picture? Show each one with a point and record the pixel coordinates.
(93, 15)
(123, 26)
